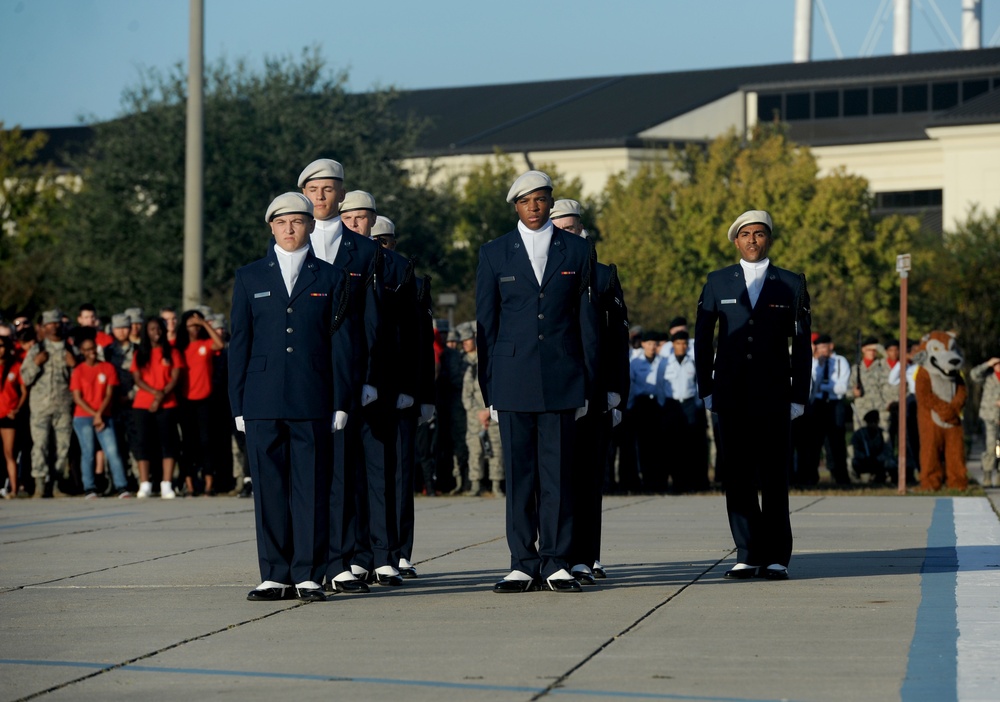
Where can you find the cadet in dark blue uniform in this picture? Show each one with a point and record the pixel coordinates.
(594, 430)
(537, 343)
(322, 181)
(421, 412)
(756, 386)
(289, 386)
(377, 530)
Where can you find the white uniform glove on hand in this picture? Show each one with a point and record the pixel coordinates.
(797, 410)
(404, 401)
(426, 414)
(241, 425)
(616, 417)
(494, 415)
(614, 399)
(339, 421)
(708, 402)
(368, 395)
(582, 410)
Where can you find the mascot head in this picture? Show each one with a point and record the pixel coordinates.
(939, 354)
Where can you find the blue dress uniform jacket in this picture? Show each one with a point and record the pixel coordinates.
(285, 362)
(289, 371)
(536, 359)
(361, 261)
(753, 379)
(752, 365)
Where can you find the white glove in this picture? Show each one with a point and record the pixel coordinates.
(494, 415)
(797, 410)
(614, 399)
(616, 417)
(580, 411)
(708, 402)
(339, 421)
(426, 414)
(241, 425)
(404, 401)
(368, 395)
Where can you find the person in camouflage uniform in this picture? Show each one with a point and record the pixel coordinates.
(869, 384)
(46, 372)
(988, 374)
(478, 420)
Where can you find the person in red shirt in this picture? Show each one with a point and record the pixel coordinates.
(12, 397)
(92, 386)
(156, 369)
(199, 343)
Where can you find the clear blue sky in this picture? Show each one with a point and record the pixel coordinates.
(67, 61)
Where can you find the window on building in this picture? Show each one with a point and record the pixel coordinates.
(915, 98)
(856, 102)
(796, 106)
(826, 104)
(944, 96)
(974, 88)
(908, 200)
(885, 100)
(768, 108)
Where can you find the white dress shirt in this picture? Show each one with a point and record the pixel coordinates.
(326, 238)
(754, 274)
(290, 264)
(536, 243)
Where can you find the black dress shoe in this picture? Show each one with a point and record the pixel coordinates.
(741, 574)
(774, 573)
(310, 594)
(510, 586)
(269, 594)
(349, 586)
(583, 577)
(408, 573)
(390, 580)
(599, 572)
(563, 585)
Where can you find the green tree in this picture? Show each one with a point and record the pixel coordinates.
(261, 128)
(956, 286)
(666, 229)
(33, 198)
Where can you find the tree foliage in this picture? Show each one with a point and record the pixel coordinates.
(957, 285)
(32, 206)
(261, 129)
(666, 230)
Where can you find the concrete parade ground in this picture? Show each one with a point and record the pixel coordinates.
(890, 598)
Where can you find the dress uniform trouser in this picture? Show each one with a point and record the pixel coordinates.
(537, 455)
(375, 528)
(290, 467)
(757, 460)
(406, 458)
(593, 435)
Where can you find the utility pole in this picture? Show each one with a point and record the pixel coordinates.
(194, 175)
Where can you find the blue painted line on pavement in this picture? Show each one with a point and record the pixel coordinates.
(932, 669)
(480, 687)
(65, 519)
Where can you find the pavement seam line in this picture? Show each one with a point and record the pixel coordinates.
(124, 565)
(558, 681)
(164, 649)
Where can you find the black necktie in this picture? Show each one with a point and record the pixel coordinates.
(826, 376)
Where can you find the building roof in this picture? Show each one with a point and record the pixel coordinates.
(613, 111)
